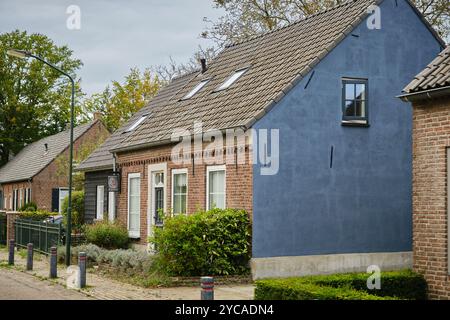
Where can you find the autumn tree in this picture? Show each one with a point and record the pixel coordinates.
(119, 101)
(34, 99)
(246, 18)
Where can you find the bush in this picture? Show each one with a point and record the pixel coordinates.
(29, 207)
(107, 235)
(215, 242)
(129, 261)
(353, 286)
(38, 215)
(77, 209)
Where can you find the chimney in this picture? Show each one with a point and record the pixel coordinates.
(97, 115)
(203, 62)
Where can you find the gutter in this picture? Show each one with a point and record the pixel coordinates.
(147, 145)
(423, 95)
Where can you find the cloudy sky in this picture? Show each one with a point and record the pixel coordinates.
(115, 35)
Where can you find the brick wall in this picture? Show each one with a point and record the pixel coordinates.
(239, 185)
(431, 137)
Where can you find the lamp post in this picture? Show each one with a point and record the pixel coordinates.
(23, 55)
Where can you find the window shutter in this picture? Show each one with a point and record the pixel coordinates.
(55, 200)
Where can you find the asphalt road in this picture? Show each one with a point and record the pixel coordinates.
(15, 285)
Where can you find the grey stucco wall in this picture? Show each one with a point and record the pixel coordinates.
(363, 203)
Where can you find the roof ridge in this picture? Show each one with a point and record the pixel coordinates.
(254, 37)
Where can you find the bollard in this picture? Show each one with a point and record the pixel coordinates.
(11, 252)
(29, 256)
(82, 266)
(53, 262)
(207, 284)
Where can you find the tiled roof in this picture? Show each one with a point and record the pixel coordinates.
(436, 75)
(277, 60)
(34, 157)
(102, 158)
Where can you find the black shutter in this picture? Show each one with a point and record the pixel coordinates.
(14, 200)
(55, 200)
(1, 200)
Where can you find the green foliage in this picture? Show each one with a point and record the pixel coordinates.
(107, 235)
(352, 286)
(77, 209)
(120, 101)
(38, 215)
(34, 98)
(215, 242)
(130, 261)
(30, 206)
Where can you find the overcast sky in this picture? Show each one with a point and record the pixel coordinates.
(115, 35)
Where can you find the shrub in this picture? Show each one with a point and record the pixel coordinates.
(215, 242)
(353, 286)
(77, 209)
(29, 207)
(107, 235)
(38, 215)
(129, 261)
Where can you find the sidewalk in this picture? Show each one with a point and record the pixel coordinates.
(103, 288)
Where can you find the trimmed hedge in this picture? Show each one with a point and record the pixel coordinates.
(108, 235)
(77, 209)
(38, 215)
(214, 242)
(352, 286)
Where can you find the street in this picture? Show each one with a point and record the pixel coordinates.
(15, 285)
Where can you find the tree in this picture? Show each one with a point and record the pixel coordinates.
(118, 102)
(34, 99)
(246, 18)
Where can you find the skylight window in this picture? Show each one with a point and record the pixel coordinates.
(136, 123)
(232, 79)
(196, 89)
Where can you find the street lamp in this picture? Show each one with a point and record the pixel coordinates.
(25, 54)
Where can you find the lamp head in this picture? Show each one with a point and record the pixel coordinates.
(18, 53)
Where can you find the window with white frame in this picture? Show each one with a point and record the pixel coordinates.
(20, 198)
(179, 191)
(134, 204)
(216, 187)
(196, 89)
(100, 202)
(232, 79)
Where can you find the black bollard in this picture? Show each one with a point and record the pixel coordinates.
(82, 265)
(53, 262)
(11, 252)
(30, 256)
(207, 284)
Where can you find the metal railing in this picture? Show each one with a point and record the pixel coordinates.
(42, 235)
(3, 222)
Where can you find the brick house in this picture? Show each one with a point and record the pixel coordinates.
(279, 125)
(429, 94)
(32, 175)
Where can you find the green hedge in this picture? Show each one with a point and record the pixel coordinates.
(38, 215)
(353, 286)
(215, 242)
(108, 235)
(77, 209)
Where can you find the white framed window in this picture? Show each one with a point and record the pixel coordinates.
(26, 195)
(134, 205)
(137, 123)
(179, 190)
(111, 206)
(20, 198)
(63, 193)
(232, 79)
(196, 89)
(100, 202)
(216, 187)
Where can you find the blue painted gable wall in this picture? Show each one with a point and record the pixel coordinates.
(362, 203)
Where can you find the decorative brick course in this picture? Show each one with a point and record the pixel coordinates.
(431, 137)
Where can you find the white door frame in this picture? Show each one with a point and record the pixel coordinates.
(153, 168)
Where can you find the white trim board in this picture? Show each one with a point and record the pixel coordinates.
(296, 266)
